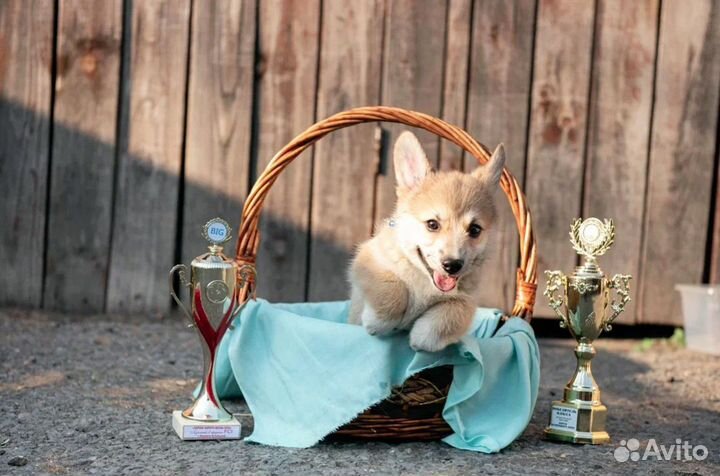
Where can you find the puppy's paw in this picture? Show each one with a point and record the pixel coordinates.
(375, 325)
(443, 324)
(424, 336)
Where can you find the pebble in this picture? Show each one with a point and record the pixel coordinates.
(83, 425)
(18, 461)
(86, 461)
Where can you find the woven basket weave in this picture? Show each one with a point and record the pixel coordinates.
(414, 410)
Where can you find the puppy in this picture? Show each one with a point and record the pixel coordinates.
(421, 270)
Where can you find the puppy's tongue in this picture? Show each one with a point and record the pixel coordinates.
(443, 282)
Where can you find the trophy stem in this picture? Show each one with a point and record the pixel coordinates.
(582, 386)
(207, 406)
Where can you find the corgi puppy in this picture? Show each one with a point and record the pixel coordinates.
(421, 270)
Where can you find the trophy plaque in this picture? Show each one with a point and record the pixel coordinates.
(585, 306)
(214, 288)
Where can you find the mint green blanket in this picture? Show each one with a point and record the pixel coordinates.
(304, 372)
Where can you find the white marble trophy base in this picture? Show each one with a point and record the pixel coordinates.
(201, 430)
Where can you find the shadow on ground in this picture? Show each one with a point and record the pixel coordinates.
(94, 395)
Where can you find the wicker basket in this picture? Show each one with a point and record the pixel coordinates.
(414, 410)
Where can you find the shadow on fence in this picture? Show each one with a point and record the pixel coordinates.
(70, 241)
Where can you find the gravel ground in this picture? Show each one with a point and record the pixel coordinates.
(94, 395)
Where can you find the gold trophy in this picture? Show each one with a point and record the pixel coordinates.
(583, 302)
(214, 285)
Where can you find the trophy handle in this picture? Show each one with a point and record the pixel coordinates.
(182, 274)
(620, 283)
(556, 281)
(246, 274)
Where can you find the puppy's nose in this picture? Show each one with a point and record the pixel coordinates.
(452, 266)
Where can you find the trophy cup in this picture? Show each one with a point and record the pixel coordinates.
(586, 308)
(214, 285)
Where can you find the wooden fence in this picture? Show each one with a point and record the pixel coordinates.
(125, 125)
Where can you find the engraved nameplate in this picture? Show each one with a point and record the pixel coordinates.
(564, 418)
(188, 429)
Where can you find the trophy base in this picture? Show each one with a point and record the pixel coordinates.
(189, 430)
(581, 423)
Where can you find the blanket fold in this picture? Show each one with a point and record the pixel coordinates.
(304, 372)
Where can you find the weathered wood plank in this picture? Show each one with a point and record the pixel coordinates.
(619, 119)
(498, 112)
(558, 121)
(681, 156)
(219, 117)
(345, 161)
(457, 63)
(26, 39)
(83, 154)
(289, 50)
(714, 274)
(412, 79)
(714, 271)
(143, 244)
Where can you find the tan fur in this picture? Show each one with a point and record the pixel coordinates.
(392, 287)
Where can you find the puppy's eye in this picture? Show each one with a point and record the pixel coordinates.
(474, 231)
(432, 225)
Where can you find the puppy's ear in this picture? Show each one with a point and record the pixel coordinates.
(492, 171)
(411, 164)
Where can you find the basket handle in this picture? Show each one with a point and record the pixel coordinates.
(248, 236)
